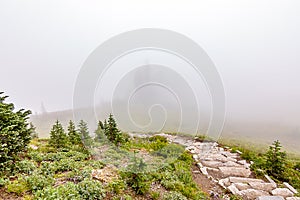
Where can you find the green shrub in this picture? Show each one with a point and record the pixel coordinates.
(58, 137)
(25, 166)
(38, 182)
(170, 151)
(90, 189)
(3, 181)
(117, 186)
(155, 195)
(15, 133)
(67, 191)
(174, 196)
(276, 160)
(17, 186)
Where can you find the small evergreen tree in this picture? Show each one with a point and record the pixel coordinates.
(34, 134)
(58, 137)
(73, 134)
(112, 133)
(276, 160)
(15, 132)
(84, 133)
(99, 132)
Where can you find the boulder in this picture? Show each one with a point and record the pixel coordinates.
(284, 192)
(235, 171)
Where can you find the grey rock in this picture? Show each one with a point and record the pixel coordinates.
(270, 180)
(290, 187)
(244, 180)
(270, 198)
(233, 189)
(284, 192)
(253, 194)
(262, 186)
(212, 163)
(235, 171)
(242, 186)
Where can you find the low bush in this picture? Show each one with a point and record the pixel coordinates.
(174, 196)
(25, 166)
(17, 186)
(91, 189)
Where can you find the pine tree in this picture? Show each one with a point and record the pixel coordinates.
(15, 132)
(84, 133)
(112, 133)
(34, 134)
(58, 137)
(99, 132)
(276, 160)
(73, 134)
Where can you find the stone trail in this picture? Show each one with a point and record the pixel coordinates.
(234, 174)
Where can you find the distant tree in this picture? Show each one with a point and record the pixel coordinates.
(58, 137)
(84, 133)
(34, 134)
(112, 132)
(99, 132)
(74, 136)
(276, 160)
(15, 132)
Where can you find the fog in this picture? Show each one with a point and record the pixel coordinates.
(254, 45)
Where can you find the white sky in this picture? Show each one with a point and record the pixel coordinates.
(255, 45)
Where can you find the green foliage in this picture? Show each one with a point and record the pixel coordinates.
(38, 182)
(67, 191)
(84, 133)
(174, 196)
(3, 181)
(73, 135)
(15, 133)
(112, 132)
(155, 195)
(17, 186)
(99, 132)
(170, 151)
(25, 166)
(91, 189)
(136, 178)
(117, 186)
(34, 134)
(58, 137)
(297, 166)
(276, 160)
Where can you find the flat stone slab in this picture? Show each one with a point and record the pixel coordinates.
(242, 186)
(262, 186)
(235, 171)
(244, 180)
(253, 194)
(290, 187)
(284, 192)
(233, 189)
(270, 198)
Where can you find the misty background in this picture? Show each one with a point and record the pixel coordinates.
(255, 46)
